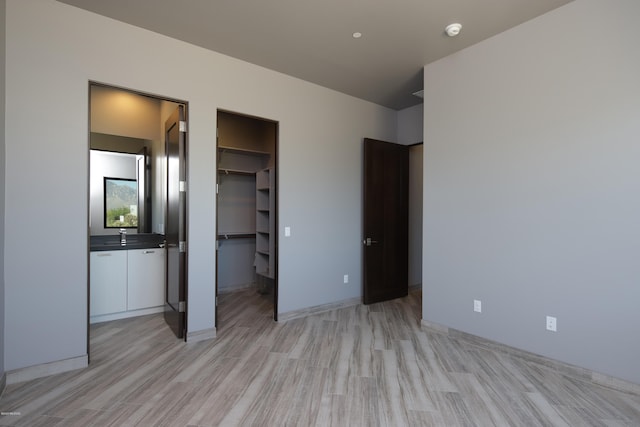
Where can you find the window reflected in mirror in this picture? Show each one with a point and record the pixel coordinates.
(120, 203)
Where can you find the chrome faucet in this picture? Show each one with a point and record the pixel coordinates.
(123, 237)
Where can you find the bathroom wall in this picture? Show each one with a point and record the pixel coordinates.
(118, 112)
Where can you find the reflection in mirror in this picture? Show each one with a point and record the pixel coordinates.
(113, 184)
(123, 158)
(120, 203)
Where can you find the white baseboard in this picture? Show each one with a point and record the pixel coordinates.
(615, 383)
(563, 368)
(125, 314)
(304, 312)
(435, 326)
(46, 369)
(204, 334)
(3, 383)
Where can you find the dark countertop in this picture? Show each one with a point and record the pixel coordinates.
(134, 241)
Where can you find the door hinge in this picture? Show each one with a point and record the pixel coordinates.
(368, 241)
(182, 307)
(182, 246)
(183, 126)
(183, 186)
(216, 301)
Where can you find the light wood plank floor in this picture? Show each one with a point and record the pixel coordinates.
(358, 366)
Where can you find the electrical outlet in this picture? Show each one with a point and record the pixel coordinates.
(551, 324)
(346, 278)
(477, 306)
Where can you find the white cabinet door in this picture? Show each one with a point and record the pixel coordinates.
(146, 278)
(108, 279)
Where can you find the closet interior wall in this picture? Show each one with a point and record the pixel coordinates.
(246, 149)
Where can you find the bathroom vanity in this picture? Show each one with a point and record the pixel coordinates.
(127, 279)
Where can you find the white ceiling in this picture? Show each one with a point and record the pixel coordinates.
(312, 40)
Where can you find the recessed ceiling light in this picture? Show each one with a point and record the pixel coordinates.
(357, 35)
(453, 30)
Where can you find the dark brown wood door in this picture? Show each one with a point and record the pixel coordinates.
(386, 221)
(175, 221)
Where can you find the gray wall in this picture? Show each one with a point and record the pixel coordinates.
(53, 50)
(532, 183)
(3, 5)
(410, 122)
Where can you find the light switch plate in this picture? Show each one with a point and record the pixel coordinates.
(477, 306)
(287, 231)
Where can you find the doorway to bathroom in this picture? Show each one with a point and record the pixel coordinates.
(137, 206)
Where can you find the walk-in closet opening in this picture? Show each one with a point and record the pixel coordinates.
(246, 188)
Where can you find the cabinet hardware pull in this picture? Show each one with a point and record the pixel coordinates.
(149, 252)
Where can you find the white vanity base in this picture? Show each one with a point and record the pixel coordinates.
(125, 314)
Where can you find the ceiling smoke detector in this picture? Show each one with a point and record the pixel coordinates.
(453, 30)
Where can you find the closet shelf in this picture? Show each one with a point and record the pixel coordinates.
(224, 171)
(236, 150)
(265, 224)
(236, 235)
